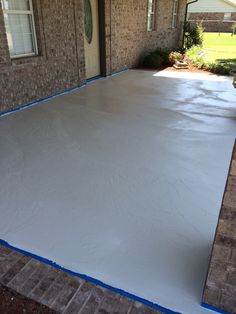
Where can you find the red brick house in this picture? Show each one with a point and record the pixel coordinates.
(47, 47)
(215, 15)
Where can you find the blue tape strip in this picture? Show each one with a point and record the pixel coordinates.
(55, 265)
(90, 279)
(67, 91)
(119, 72)
(212, 308)
(102, 78)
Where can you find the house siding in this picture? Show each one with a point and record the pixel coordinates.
(210, 13)
(219, 6)
(213, 22)
(60, 64)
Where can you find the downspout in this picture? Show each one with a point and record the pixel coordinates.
(185, 19)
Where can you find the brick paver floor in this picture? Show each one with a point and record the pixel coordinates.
(220, 289)
(60, 291)
(12, 302)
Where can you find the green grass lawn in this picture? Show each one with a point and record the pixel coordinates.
(218, 53)
(219, 46)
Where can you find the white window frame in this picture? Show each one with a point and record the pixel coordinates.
(175, 14)
(151, 14)
(227, 16)
(34, 39)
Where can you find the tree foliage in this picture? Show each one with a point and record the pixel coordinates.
(193, 35)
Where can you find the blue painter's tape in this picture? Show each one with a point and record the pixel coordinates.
(119, 72)
(92, 280)
(67, 91)
(102, 78)
(55, 265)
(212, 308)
(95, 79)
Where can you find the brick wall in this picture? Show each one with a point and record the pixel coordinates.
(4, 56)
(213, 22)
(130, 39)
(220, 290)
(60, 64)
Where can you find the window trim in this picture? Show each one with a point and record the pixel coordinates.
(227, 16)
(34, 38)
(175, 12)
(151, 12)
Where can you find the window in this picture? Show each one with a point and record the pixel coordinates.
(227, 16)
(175, 13)
(20, 29)
(151, 15)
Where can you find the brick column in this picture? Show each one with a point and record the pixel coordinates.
(79, 38)
(220, 289)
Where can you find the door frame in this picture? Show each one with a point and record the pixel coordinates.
(102, 37)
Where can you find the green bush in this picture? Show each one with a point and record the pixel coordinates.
(161, 57)
(193, 35)
(157, 58)
(218, 68)
(153, 60)
(194, 55)
(164, 53)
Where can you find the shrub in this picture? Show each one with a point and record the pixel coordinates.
(153, 60)
(219, 68)
(195, 56)
(157, 58)
(161, 57)
(164, 53)
(193, 35)
(175, 56)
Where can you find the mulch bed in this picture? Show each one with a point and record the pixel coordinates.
(191, 68)
(13, 303)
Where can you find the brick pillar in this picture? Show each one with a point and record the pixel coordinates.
(79, 38)
(220, 289)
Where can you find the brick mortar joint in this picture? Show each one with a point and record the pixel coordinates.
(216, 289)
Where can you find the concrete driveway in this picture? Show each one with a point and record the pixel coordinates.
(122, 181)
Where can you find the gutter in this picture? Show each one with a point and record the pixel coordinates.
(185, 18)
(231, 2)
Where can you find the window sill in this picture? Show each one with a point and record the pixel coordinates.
(24, 56)
(26, 59)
